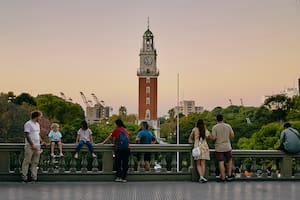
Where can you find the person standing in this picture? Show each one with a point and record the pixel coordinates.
(145, 137)
(121, 137)
(222, 133)
(32, 148)
(199, 135)
(290, 139)
(84, 136)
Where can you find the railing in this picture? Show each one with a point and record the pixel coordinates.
(162, 164)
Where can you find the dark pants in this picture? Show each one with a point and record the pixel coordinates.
(121, 160)
(88, 143)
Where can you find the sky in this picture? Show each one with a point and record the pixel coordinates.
(221, 49)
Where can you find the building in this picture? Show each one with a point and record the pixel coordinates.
(97, 112)
(188, 106)
(147, 80)
(289, 92)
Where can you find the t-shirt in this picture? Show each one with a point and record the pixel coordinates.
(54, 136)
(33, 128)
(222, 131)
(291, 140)
(84, 134)
(145, 137)
(115, 135)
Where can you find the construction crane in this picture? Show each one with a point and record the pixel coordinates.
(85, 101)
(63, 96)
(242, 103)
(97, 100)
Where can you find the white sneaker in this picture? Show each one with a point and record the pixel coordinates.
(202, 180)
(52, 155)
(76, 155)
(61, 154)
(118, 179)
(94, 155)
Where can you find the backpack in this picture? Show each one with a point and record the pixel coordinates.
(123, 141)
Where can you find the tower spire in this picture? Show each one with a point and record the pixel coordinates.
(148, 23)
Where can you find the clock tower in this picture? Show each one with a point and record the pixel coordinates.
(147, 75)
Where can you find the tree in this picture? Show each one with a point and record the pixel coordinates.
(25, 98)
(279, 105)
(294, 112)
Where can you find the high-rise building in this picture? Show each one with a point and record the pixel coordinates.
(147, 75)
(186, 107)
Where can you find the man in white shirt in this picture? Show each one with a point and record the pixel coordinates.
(32, 149)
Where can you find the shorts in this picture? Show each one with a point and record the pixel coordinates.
(55, 142)
(221, 155)
(147, 156)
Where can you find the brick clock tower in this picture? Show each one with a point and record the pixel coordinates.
(147, 75)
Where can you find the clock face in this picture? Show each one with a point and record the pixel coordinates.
(148, 60)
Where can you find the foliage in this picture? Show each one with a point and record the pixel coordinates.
(25, 98)
(279, 105)
(266, 138)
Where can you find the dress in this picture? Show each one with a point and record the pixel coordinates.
(202, 145)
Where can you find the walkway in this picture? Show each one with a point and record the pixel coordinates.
(269, 190)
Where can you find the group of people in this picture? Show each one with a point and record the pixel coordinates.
(120, 135)
(221, 133)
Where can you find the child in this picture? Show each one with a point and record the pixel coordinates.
(55, 138)
(84, 136)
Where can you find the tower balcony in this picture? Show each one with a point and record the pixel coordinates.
(147, 72)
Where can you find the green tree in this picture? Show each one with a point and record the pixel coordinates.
(25, 98)
(294, 112)
(279, 105)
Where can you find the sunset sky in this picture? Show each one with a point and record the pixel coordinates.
(222, 49)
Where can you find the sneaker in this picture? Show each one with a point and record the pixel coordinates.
(203, 180)
(24, 179)
(33, 182)
(94, 155)
(124, 180)
(76, 155)
(230, 178)
(52, 155)
(61, 154)
(118, 179)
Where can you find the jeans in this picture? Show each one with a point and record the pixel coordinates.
(88, 143)
(121, 161)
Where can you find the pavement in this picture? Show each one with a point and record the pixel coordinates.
(236, 190)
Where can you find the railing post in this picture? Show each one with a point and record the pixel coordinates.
(286, 167)
(107, 161)
(4, 162)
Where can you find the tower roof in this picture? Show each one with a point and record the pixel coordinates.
(148, 33)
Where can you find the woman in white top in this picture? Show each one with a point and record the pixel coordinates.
(199, 135)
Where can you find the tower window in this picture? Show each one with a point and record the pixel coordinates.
(147, 115)
(147, 100)
(147, 79)
(148, 89)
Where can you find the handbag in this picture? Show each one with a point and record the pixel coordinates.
(196, 152)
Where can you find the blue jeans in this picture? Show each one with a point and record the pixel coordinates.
(88, 143)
